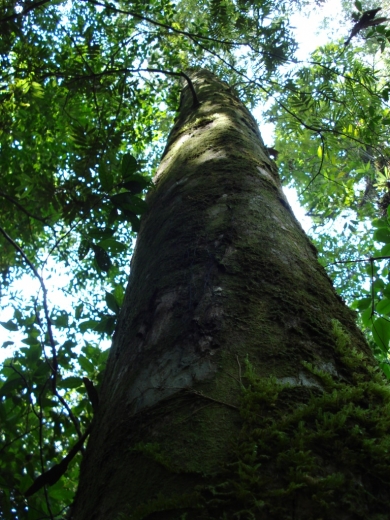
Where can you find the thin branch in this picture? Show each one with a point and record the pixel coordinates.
(110, 72)
(18, 205)
(200, 394)
(371, 259)
(372, 287)
(17, 438)
(321, 164)
(110, 7)
(70, 413)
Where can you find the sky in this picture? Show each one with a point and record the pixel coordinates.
(310, 34)
(309, 31)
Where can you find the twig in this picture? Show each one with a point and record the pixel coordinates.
(111, 7)
(110, 72)
(18, 205)
(371, 259)
(200, 394)
(321, 163)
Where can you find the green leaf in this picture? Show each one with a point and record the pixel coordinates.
(88, 325)
(30, 340)
(61, 321)
(34, 353)
(128, 216)
(386, 369)
(109, 244)
(60, 493)
(129, 165)
(362, 304)
(385, 251)
(135, 224)
(106, 178)
(382, 235)
(112, 303)
(380, 223)
(128, 202)
(136, 183)
(9, 325)
(102, 258)
(381, 333)
(86, 364)
(70, 382)
(37, 89)
(383, 307)
(106, 325)
(119, 294)
(112, 217)
(101, 234)
(367, 317)
(9, 386)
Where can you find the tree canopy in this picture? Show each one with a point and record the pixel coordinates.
(89, 90)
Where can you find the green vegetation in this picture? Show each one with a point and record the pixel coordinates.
(319, 446)
(87, 96)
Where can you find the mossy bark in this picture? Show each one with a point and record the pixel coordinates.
(223, 278)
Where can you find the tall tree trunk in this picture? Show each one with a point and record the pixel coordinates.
(238, 383)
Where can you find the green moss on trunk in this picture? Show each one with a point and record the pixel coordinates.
(300, 454)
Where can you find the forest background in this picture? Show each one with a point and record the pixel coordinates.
(88, 92)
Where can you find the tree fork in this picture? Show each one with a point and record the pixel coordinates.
(223, 277)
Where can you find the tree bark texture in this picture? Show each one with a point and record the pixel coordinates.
(230, 326)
